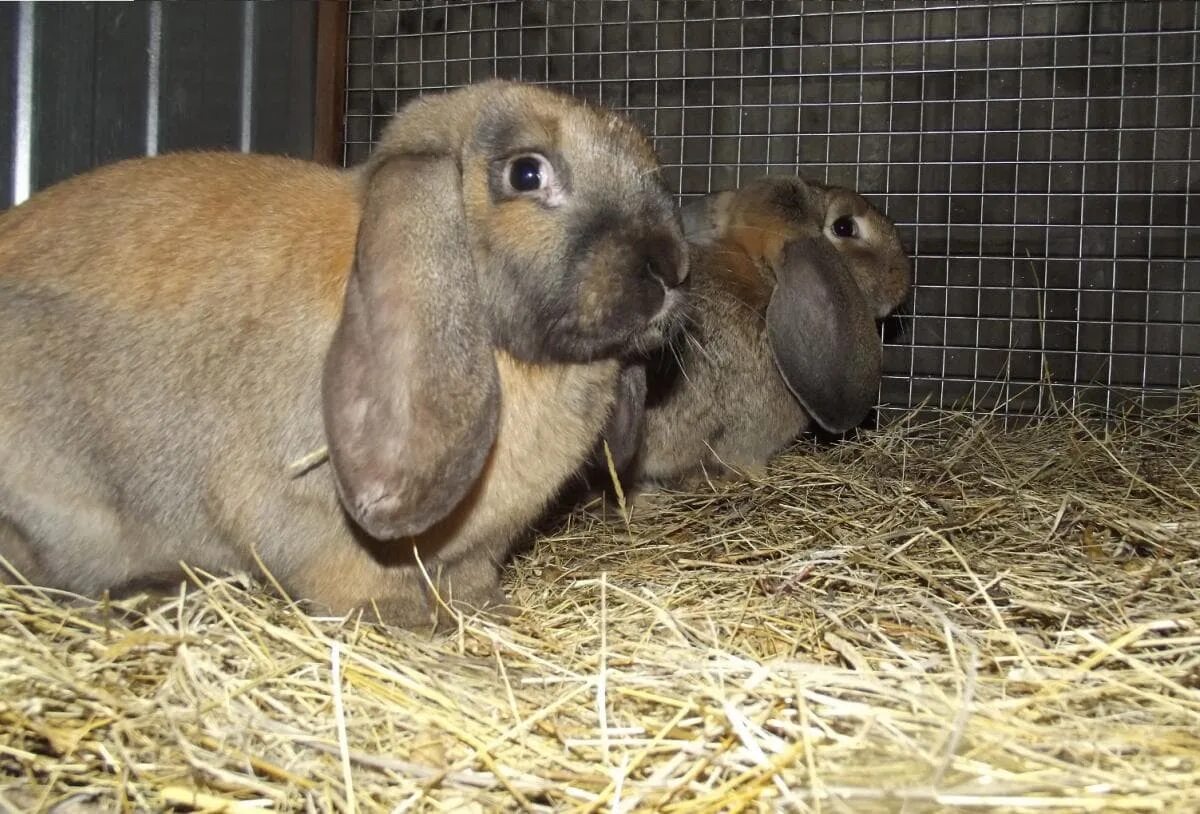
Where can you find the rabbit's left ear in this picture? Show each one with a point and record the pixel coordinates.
(822, 334)
(410, 389)
(623, 432)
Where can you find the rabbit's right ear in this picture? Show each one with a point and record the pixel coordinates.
(822, 334)
(410, 388)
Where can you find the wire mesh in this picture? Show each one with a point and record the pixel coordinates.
(1040, 158)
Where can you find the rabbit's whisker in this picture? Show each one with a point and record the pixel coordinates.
(709, 299)
(679, 360)
(703, 351)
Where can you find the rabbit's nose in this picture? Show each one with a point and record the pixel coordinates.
(663, 261)
(656, 268)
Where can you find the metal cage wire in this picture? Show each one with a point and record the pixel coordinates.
(1039, 158)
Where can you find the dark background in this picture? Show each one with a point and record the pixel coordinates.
(228, 75)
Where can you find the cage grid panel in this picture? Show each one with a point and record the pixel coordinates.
(1039, 158)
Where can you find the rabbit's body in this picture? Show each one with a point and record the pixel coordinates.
(158, 382)
(781, 329)
(716, 402)
(107, 351)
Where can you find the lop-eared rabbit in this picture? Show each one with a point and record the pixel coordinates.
(448, 320)
(788, 279)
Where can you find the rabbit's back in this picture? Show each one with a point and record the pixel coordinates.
(157, 353)
(181, 278)
(156, 232)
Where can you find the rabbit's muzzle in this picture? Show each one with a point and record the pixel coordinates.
(614, 291)
(630, 293)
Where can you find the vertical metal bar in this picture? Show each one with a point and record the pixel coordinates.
(548, 40)
(1189, 182)
(628, 48)
(657, 81)
(396, 42)
(1001, 379)
(798, 45)
(737, 170)
(371, 70)
(471, 41)
(1043, 359)
(1150, 213)
(600, 57)
(1005, 376)
(347, 87)
(829, 77)
(1083, 173)
(712, 94)
(923, 123)
(916, 292)
(862, 51)
(23, 121)
(520, 42)
(1109, 381)
(1012, 269)
(949, 258)
(153, 76)
(246, 125)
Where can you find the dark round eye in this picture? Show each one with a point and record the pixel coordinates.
(525, 174)
(845, 227)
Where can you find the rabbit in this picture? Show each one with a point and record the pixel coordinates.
(449, 319)
(788, 279)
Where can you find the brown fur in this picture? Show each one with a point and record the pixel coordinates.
(299, 213)
(178, 330)
(718, 403)
(553, 408)
(745, 277)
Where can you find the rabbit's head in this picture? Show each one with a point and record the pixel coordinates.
(497, 217)
(827, 266)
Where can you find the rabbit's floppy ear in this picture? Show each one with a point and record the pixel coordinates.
(411, 391)
(623, 432)
(822, 334)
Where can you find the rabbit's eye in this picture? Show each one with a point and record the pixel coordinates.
(527, 173)
(845, 227)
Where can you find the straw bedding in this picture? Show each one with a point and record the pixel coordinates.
(940, 615)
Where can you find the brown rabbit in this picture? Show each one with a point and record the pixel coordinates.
(448, 319)
(788, 279)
